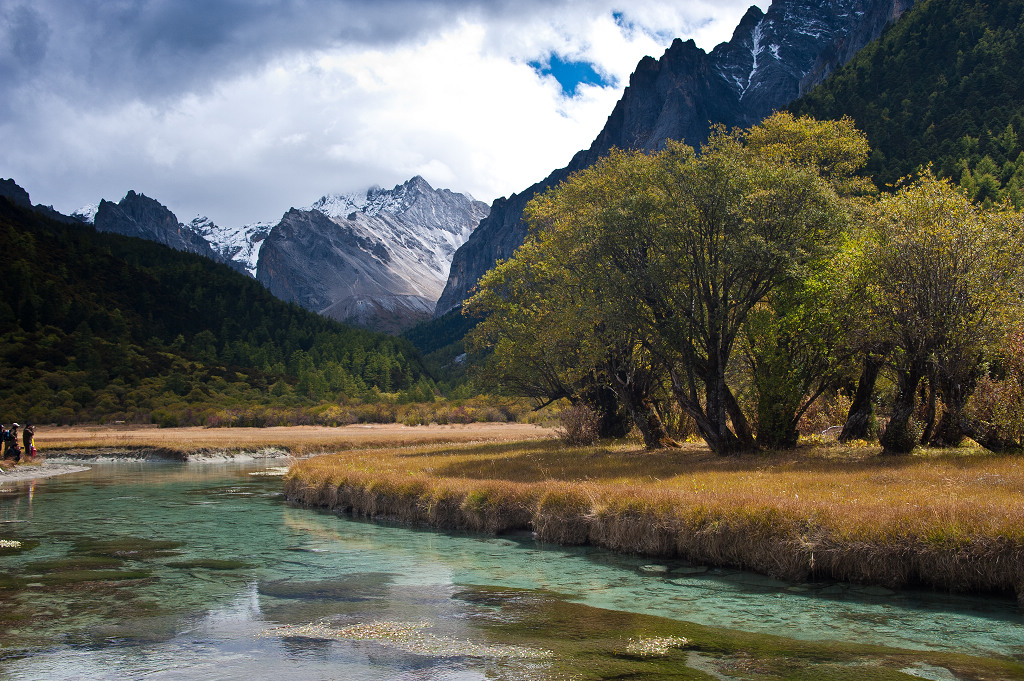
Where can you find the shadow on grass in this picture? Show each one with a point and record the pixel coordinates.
(550, 460)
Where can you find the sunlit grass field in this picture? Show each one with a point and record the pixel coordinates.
(946, 519)
(297, 440)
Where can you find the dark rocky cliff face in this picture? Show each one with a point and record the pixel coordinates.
(13, 192)
(876, 17)
(140, 216)
(10, 189)
(379, 261)
(771, 57)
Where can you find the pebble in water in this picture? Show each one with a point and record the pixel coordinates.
(654, 646)
(407, 636)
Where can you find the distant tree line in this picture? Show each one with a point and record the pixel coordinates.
(740, 284)
(99, 326)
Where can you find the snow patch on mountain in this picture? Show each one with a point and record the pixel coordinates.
(240, 244)
(338, 205)
(87, 213)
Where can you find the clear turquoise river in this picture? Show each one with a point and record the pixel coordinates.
(203, 571)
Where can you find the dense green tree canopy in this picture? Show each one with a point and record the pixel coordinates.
(942, 86)
(671, 252)
(944, 283)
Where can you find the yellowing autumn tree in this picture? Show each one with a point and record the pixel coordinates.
(661, 258)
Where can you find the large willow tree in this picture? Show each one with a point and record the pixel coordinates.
(664, 256)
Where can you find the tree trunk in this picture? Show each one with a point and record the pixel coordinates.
(929, 417)
(950, 431)
(862, 412)
(899, 436)
(613, 423)
(643, 414)
(716, 433)
(739, 421)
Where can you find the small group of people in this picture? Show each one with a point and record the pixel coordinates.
(12, 448)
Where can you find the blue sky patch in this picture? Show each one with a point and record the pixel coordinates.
(570, 74)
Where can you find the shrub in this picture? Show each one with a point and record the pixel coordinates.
(827, 414)
(579, 425)
(461, 415)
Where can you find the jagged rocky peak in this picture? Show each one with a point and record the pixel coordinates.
(415, 198)
(141, 216)
(239, 246)
(338, 205)
(771, 56)
(378, 259)
(12, 190)
(87, 213)
(770, 52)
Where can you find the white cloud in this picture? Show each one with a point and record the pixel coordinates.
(458, 104)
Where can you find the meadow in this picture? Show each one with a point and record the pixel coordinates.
(296, 440)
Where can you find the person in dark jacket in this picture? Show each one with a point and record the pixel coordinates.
(28, 439)
(12, 448)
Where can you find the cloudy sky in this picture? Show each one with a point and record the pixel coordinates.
(240, 109)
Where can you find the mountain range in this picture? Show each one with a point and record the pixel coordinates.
(377, 260)
(771, 57)
(97, 326)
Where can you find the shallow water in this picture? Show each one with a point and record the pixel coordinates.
(175, 571)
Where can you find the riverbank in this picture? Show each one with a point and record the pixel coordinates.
(34, 471)
(62, 449)
(943, 520)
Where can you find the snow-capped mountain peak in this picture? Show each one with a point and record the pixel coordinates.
(241, 244)
(375, 201)
(338, 205)
(379, 261)
(87, 213)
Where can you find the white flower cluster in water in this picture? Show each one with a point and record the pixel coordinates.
(273, 471)
(406, 636)
(10, 544)
(658, 645)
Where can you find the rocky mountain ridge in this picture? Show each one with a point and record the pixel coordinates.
(771, 58)
(240, 245)
(141, 216)
(379, 260)
(13, 192)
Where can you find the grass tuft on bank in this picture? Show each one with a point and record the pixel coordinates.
(947, 520)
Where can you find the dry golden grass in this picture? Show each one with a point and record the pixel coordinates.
(299, 440)
(952, 520)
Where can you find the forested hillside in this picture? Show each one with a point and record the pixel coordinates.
(941, 86)
(104, 327)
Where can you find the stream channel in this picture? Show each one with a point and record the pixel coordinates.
(186, 571)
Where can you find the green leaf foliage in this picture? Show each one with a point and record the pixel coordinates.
(652, 264)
